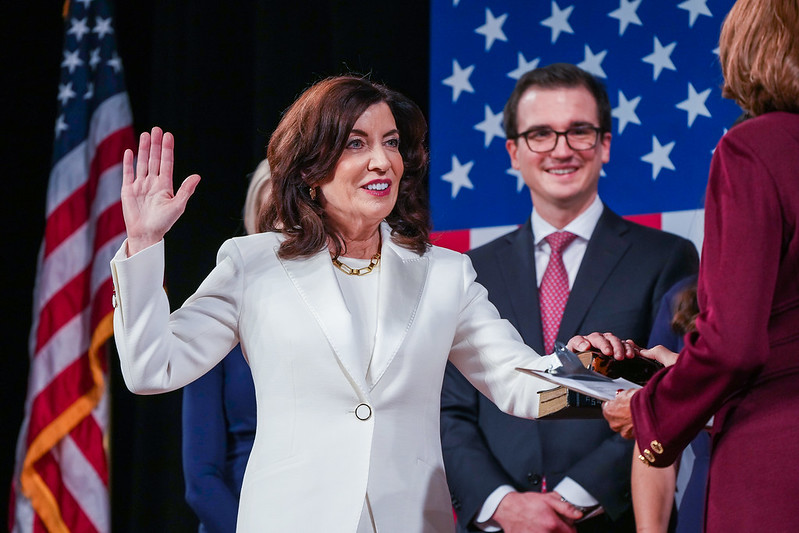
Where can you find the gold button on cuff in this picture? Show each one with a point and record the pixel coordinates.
(363, 412)
(643, 460)
(656, 446)
(649, 455)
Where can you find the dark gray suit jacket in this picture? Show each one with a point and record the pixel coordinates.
(626, 270)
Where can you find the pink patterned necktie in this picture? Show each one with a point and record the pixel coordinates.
(554, 290)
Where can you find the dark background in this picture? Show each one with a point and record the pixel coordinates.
(217, 75)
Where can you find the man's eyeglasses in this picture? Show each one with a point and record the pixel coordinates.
(545, 139)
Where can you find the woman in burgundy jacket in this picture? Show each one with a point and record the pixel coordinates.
(741, 365)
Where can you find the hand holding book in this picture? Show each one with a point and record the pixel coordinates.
(568, 371)
(617, 413)
(623, 358)
(603, 366)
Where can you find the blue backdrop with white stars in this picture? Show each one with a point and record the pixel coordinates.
(658, 60)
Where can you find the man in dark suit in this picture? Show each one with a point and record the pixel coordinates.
(511, 474)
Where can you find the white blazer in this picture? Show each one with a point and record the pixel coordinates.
(324, 436)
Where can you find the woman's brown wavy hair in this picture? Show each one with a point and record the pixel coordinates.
(686, 309)
(303, 152)
(759, 53)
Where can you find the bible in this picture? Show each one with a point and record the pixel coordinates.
(562, 403)
(586, 380)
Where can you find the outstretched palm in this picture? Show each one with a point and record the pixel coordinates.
(149, 205)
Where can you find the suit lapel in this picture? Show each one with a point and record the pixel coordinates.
(605, 249)
(403, 274)
(516, 261)
(316, 283)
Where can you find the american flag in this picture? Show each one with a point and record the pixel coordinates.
(61, 474)
(659, 62)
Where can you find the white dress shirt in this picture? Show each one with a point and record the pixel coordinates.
(583, 226)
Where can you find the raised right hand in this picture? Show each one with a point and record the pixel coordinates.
(533, 512)
(149, 206)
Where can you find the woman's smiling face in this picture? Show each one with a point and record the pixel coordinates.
(366, 179)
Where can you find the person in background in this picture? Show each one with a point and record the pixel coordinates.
(219, 415)
(346, 314)
(656, 490)
(741, 365)
(653, 489)
(511, 474)
(257, 196)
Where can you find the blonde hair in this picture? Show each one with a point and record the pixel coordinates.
(254, 201)
(759, 53)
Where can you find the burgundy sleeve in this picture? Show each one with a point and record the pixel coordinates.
(737, 279)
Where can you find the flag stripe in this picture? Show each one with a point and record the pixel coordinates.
(66, 219)
(454, 240)
(65, 263)
(67, 386)
(68, 343)
(66, 304)
(109, 228)
(72, 170)
(96, 192)
(63, 305)
(480, 236)
(86, 445)
(72, 260)
(81, 476)
(71, 513)
(62, 349)
(689, 223)
(653, 220)
(93, 197)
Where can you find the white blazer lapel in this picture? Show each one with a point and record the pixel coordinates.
(316, 282)
(403, 276)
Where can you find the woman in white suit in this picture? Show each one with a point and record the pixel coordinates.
(345, 312)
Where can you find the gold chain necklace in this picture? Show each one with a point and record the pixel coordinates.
(357, 271)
